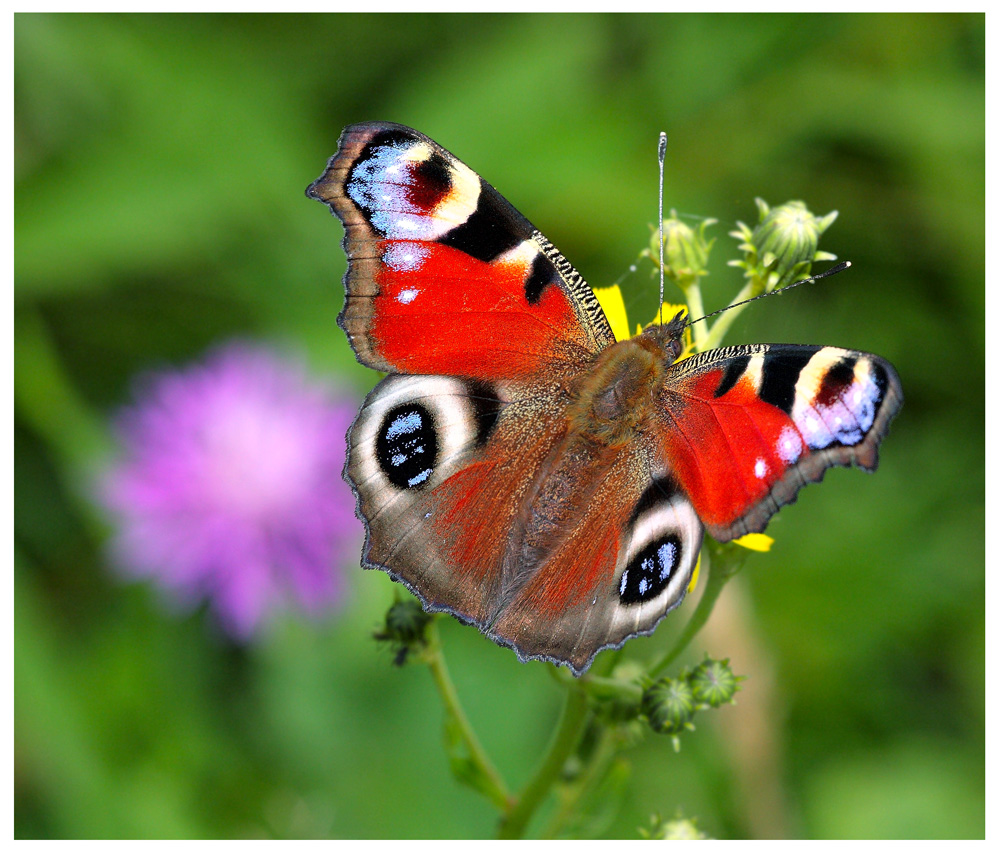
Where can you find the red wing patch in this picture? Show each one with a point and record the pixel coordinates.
(471, 527)
(744, 428)
(444, 275)
(439, 310)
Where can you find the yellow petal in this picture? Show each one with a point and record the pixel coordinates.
(694, 574)
(668, 311)
(614, 309)
(755, 541)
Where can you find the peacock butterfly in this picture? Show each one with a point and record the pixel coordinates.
(518, 467)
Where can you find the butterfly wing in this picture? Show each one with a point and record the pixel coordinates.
(507, 519)
(440, 466)
(745, 427)
(444, 275)
(622, 565)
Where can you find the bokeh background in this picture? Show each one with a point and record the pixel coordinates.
(160, 164)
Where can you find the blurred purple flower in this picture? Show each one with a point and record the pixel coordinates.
(229, 487)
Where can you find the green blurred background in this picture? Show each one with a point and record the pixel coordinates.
(160, 165)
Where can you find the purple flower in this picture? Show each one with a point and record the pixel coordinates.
(229, 487)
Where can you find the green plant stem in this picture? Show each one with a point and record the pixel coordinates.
(610, 687)
(561, 746)
(717, 578)
(48, 401)
(696, 309)
(723, 323)
(433, 655)
(596, 768)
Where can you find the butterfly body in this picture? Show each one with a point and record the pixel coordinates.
(518, 467)
(615, 397)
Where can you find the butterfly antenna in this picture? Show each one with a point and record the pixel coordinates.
(661, 153)
(833, 270)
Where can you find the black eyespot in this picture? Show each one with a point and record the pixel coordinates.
(650, 570)
(407, 446)
(431, 182)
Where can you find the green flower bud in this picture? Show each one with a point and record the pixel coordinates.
(672, 829)
(685, 250)
(405, 625)
(669, 705)
(713, 683)
(783, 246)
(406, 621)
(682, 829)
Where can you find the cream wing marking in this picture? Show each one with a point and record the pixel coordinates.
(413, 432)
(654, 570)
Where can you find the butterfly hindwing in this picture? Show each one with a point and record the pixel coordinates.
(441, 466)
(627, 562)
(464, 497)
(745, 427)
(445, 276)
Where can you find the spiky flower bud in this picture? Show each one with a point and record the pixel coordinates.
(405, 626)
(713, 683)
(669, 705)
(685, 250)
(783, 246)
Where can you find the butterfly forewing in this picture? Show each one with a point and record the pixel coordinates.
(745, 427)
(445, 276)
